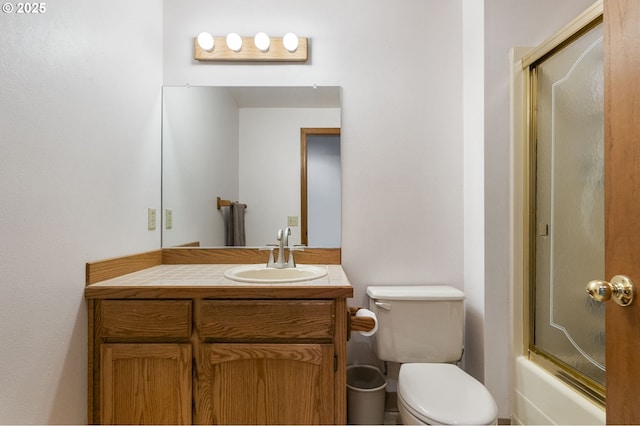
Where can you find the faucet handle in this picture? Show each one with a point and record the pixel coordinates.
(270, 259)
(291, 262)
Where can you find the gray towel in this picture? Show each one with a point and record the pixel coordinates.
(234, 225)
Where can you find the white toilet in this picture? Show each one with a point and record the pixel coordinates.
(422, 327)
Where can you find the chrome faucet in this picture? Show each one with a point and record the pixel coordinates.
(283, 242)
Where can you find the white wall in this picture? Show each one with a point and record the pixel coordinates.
(79, 166)
(200, 162)
(473, 162)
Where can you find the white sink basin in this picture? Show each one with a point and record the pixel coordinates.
(262, 274)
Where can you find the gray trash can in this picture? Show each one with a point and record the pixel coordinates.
(365, 395)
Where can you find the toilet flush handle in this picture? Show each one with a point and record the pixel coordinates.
(384, 305)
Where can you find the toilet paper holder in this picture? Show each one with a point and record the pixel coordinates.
(358, 323)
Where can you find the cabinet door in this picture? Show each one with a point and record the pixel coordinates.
(265, 384)
(145, 383)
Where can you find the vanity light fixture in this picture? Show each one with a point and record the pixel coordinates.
(261, 47)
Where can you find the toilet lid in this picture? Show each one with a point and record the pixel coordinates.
(444, 394)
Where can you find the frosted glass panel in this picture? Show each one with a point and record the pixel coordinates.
(570, 205)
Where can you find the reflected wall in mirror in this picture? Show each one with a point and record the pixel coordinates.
(241, 144)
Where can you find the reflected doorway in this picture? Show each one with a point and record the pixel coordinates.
(320, 186)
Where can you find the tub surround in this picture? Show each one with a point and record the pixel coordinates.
(542, 398)
(168, 331)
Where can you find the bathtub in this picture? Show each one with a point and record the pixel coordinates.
(541, 398)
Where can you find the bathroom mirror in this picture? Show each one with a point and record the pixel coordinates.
(241, 144)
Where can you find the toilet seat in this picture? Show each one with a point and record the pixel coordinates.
(444, 394)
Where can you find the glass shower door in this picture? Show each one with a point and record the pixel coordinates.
(568, 89)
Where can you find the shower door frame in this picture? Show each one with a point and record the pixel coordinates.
(622, 245)
(582, 24)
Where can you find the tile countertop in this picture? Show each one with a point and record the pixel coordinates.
(210, 275)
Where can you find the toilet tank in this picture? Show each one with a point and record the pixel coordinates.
(418, 323)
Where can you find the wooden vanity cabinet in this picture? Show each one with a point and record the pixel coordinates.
(146, 383)
(265, 384)
(144, 360)
(266, 362)
(218, 361)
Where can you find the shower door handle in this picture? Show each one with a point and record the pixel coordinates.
(620, 289)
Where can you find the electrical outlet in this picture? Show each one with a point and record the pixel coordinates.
(168, 217)
(151, 219)
(292, 220)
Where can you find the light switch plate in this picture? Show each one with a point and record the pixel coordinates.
(292, 220)
(168, 216)
(151, 219)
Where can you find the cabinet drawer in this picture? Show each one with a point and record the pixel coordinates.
(146, 318)
(234, 320)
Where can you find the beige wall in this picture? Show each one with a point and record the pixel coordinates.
(79, 166)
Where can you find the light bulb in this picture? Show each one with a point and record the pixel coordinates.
(262, 42)
(205, 41)
(234, 42)
(290, 41)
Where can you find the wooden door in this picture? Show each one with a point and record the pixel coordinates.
(265, 384)
(622, 203)
(146, 383)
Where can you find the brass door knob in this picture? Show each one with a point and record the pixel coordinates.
(620, 289)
